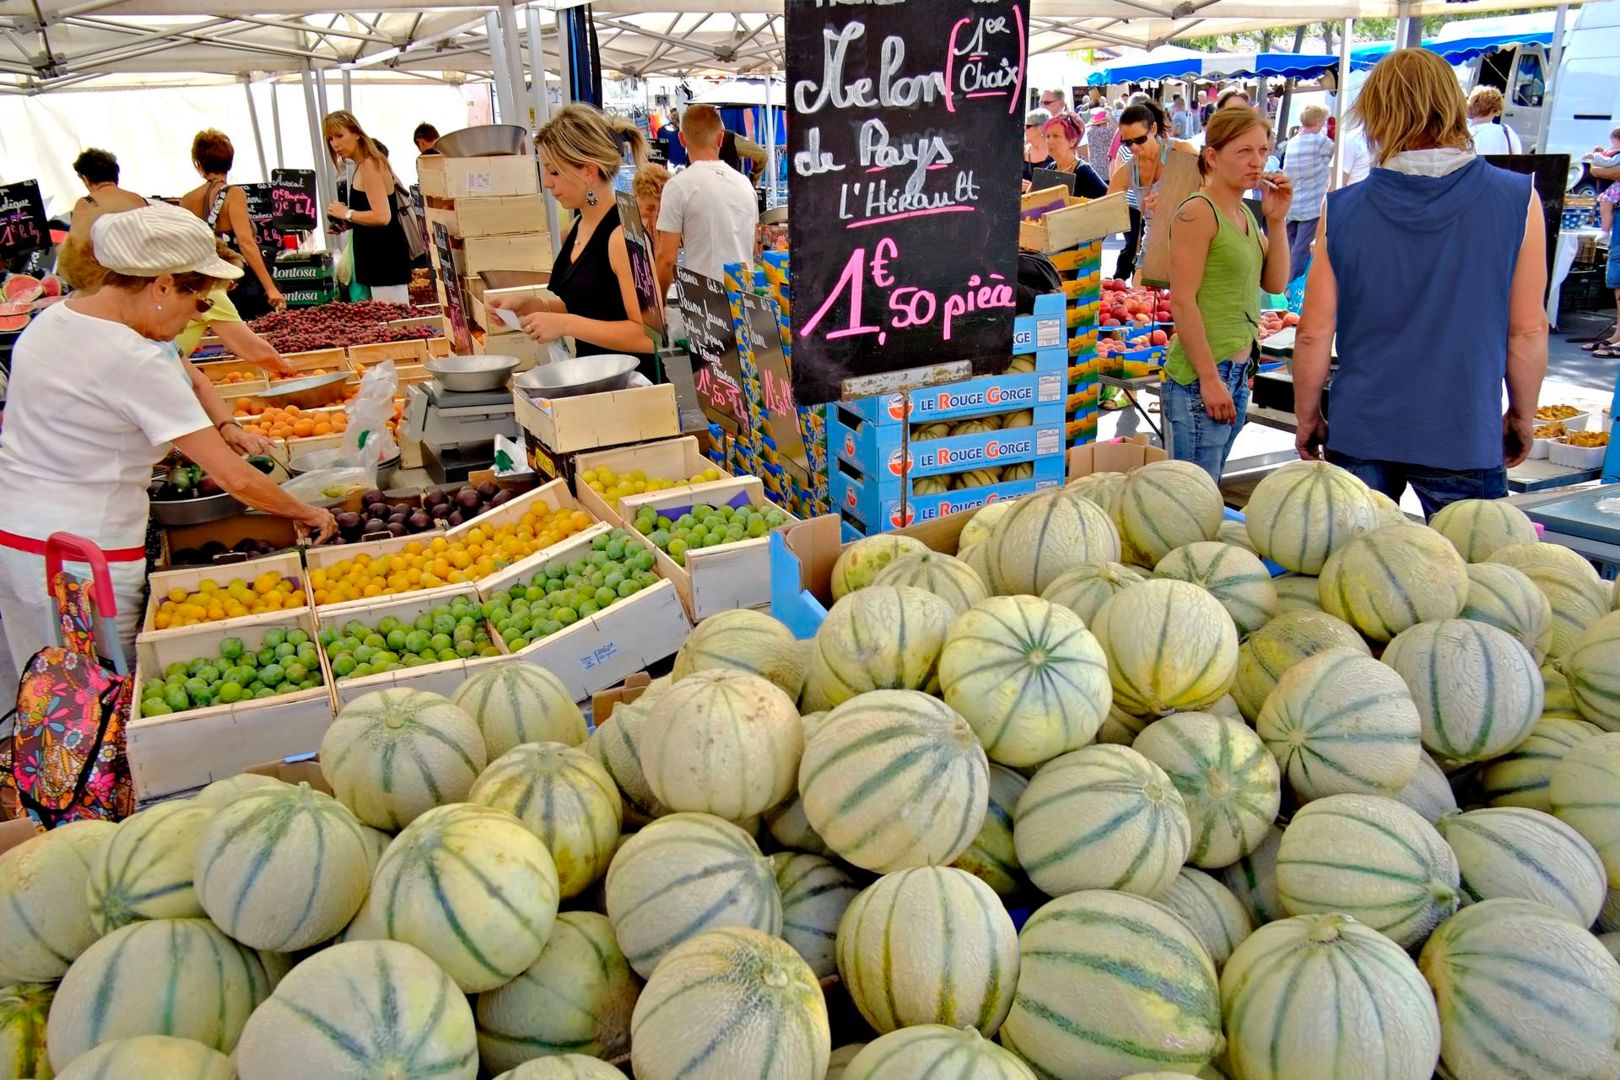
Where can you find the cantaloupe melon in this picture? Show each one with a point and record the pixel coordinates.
(144, 870)
(962, 974)
(723, 742)
(1559, 699)
(157, 977)
(1253, 880)
(1297, 592)
(886, 637)
(576, 999)
(1428, 792)
(1231, 575)
(1236, 533)
(282, 869)
(860, 562)
(728, 1004)
(952, 580)
(1477, 688)
(1099, 487)
(1302, 513)
(617, 745)
(744, 640)
(1028, 676)
(1163, 1006)
(392, 755)
(977, 530)
(472, 888)
(894, 778)
(520, 703)
(929, 1050)
(370, 1008)
(1044, 536)
(1285, 641)
(565, 797)
(815, 893)
(1085, 589)
(1479, 528)
(1209, 908)
(1508, 600)
(839, 1061)
(1323, 995)
(993, 856)
(1229, 782)
(1171, 647)
(1593, 670)
(1585, 792)
(1515, 851)
(23, 1010)
(1389, 511)
(1522, 991)
(1577, 595)
(150, 1057)
(45, 918)
(1372, 857)
(1386, 580)
(1519, 777)
(563, 1067)
(977, 557)
(1104, 817)
(1164, 505)
(682, 876)
(786, 821)
(221, 793)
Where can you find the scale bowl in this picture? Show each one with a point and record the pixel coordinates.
(472, 372)
(311, 393)
(487, 140)
(323, 459)
(199, 511)
(579, 375)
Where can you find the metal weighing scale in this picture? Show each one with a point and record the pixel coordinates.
(457, 428)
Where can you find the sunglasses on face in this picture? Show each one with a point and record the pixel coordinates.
(1138, 141)
(205, 304)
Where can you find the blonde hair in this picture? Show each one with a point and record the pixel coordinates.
(702, 124)
(582, 136)
(649, 183)
(1411, 101)
(343, 120)
(1484, 101)
(1312, 115)
(1224, 126)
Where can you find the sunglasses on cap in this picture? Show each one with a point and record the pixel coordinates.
(1138, 141)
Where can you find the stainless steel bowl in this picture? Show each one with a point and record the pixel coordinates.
(198, 511)
(472, 372)
(489, 140)
(323, 459)
(580, 375)
(515, 279)
(311, 393)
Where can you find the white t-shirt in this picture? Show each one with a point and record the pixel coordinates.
(712, 206)
(1493, 138)
(92, 406)
(1357, 158)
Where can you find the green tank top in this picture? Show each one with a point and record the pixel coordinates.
(1228, 297)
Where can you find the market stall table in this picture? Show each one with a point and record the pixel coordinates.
(1581, 521)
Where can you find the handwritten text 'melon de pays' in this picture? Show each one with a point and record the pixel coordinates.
(876, 148)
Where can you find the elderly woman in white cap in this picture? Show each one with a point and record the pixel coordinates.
(96, 398)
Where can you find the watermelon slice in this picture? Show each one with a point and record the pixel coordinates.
(22, 289)
(51, 287)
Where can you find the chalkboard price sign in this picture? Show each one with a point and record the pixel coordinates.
(294, 204)
(717, 372)
(904, 145)
(776, 386)
(23, 226)
(639, 246)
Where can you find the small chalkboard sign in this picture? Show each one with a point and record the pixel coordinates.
(643, 271)
(761, 319)
(450, 287)
(716, 369)
(904, 143)
(294, 203)
(1041, 179)
(23, 226)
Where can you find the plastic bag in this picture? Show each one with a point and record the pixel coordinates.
(367, 440)
(324, 485)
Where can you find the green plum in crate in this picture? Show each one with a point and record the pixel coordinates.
(559, 595)
(706, 526)
(448, 632)
(286, 664)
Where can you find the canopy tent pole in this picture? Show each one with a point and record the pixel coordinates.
(565, 69)
(542, 109)
(512, 51)
(1408, 27)
(330, 173)
(253, 115)
(275, 121)
(497, 65)
(770, 136)
(1340, 93)
(317, 144)
(1554, 58)
(348, 92)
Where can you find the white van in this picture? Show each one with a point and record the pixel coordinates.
(1586, 96)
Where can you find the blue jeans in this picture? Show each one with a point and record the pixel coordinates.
(1189, 434)
(1436, 488)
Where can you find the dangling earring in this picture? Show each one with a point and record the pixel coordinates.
(590, 197)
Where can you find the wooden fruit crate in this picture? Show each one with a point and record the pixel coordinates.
(442, 678)
(670, 459)
(285, 565)
(400, 352)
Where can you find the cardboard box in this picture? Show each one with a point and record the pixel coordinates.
(303, 769)
(871, 510)
(443, 177)
(593, 421)
(604, 702)
(1120, 455)
(489, 216)
(20, 831)
(881, 451)
(526, 251)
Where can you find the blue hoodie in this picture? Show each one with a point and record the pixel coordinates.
(1424, 266)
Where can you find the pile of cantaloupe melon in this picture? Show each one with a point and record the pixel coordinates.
(1095, 798)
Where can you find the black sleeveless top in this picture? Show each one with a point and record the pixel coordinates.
(589, 288)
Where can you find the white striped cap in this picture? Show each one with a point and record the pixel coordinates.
(158, 239)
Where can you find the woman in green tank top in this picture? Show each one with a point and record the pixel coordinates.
(1219, 262)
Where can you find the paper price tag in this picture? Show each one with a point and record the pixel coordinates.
(480, 182)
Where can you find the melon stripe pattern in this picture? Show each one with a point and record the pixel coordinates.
(1322, 995)
(1104, 817)
(1560, 699)
(1342, 723)
(929, 1050)
(1044, 536)
(151, 1057)
(616, 743)
(564, 797)
(1429, 791)
(1268, 653)
(1508, 600)
(815, 894)
(368, 1008)
(1577, 595)
(1372, 859)
(731, 1004)
(1099, 487)
(1479, 528)
(472, 888)
(1162, 506)
(282, 869)
(45, 903)
(515, 704)
(1215, 915)
(1163, 1007)
(1523, 992)
(1236, 533)
(841, 1057)
(1171, 647)
(1515, 852)
(893, 779)
(1391, 578)
(1519, 777)
(1085, 589)
(744, 640)
(1593, 670)
(1028, 676)
(963, 975)
(682, 876)
(221, 793)
(993, 857)
(977, 530)
(1585, 791)
(144, 869)
(1253, 880)
(885, 637)
(395, 754)
(23, 1010)
(576, 999)
(563, 1067)
(861, 561)
(1302, 513)
(1296, 592)
(952, 580)
(162, 977)
(1477, 688)
(1231, 575)
(1229, 782)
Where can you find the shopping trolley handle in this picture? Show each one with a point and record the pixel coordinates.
(85, 551)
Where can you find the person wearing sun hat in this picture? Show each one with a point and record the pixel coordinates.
(97, 397)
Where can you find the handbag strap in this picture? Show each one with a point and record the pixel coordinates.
(218, 206)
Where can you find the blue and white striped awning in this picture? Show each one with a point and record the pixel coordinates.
(1455, 51)
(1219, 66)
